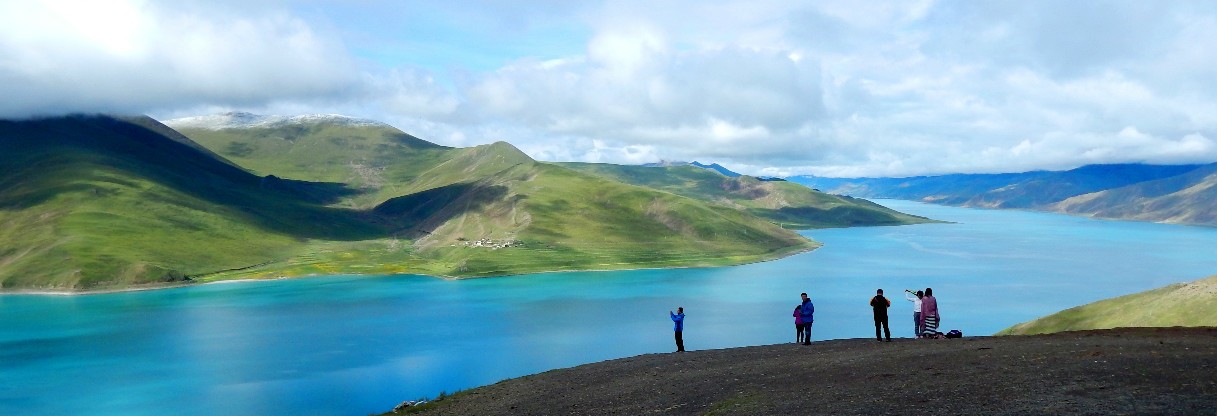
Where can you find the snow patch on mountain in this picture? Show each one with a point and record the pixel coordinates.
(242, 120)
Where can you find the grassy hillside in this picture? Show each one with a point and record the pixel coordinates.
(1185, 199)
(378, 161)
(557, 219)
(96, 202)
(1180, 304)
(491, 210)
(89, 202)
(789, 204)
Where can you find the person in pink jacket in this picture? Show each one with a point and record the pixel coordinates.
(798, 325)
(929, 314)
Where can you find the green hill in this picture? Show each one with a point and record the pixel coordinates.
(1180, 304)
(88, 202)
(97, 202)
(466, 206)
(379, 161)
(557, 219)
(786, 203)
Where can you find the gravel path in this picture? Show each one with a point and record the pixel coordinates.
(1124, 371)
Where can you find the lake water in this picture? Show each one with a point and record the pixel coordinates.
(355, 345)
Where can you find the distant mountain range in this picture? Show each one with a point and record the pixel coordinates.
(788, 204)
(104, 202)
(712, 166)
(1183, 194)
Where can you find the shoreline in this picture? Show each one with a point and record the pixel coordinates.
(793, 253)
(45, 292)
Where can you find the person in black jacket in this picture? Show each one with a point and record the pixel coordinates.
(880, 305)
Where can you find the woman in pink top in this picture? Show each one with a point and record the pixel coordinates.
(929, 314)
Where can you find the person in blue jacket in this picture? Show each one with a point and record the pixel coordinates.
(678, 319)
(807, 311)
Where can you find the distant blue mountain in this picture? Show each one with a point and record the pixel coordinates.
(1190, 198)
(1041, 190)
(717, 168)
(1002, 190)
(713, 166)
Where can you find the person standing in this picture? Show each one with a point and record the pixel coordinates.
(807, 311)
(916, 299)
(929, 314)
(798, 325)
(880, 305)
(678, 319)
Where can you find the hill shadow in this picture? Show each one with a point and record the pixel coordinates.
(840, 216)
(324, 193)
(420, 212)
(43, 158)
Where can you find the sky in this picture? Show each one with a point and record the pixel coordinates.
(830, 88)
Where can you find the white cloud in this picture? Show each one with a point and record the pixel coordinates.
(762, 86)
(410, 92)
(135, 56)
(634, 88)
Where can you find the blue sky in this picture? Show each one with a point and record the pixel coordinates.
(834, 88)
(443, 36)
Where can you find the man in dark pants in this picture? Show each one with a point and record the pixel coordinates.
(807, 311)
(679, 319)
(880, 305)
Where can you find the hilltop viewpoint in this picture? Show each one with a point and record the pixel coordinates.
(1076, 364)
(1102, 372)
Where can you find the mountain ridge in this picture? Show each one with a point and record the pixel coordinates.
(93, 202)
(237, 120)
(1092, 190)
(527, 210)
(712, 166)
(99, 203)
(1184, 199)
(788, 204)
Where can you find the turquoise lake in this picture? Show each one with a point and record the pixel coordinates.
(347, 345)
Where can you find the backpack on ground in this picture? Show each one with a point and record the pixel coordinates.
(954, 333)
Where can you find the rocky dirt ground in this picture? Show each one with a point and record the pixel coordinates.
(1107, 372)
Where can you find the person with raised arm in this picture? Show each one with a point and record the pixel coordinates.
(915, 297)
(678, 319)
